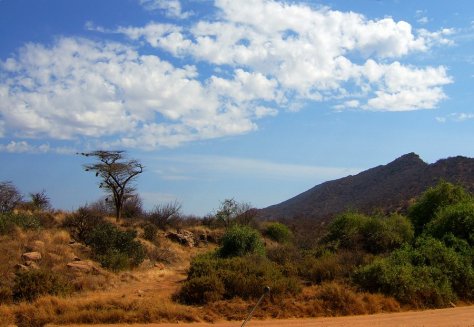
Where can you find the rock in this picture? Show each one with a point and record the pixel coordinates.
(80, 266)
(76, 259)
(31, 256)
(183, 237)
(29, 265)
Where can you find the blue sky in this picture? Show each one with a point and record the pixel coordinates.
(253, 100)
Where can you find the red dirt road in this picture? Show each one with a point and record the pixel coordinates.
(453, 317)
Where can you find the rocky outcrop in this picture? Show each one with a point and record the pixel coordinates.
(183, 237)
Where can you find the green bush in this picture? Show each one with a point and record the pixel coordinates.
(201, 290)
(346, 230)
(371, 233)
(243, 277)
(31, 284)
(114, 260)
(81, 223)
(456, 219)
(385, 234)
(426, 207)
(241, 240)
(426, 274)
(25, 221)
(278, 232)
(115, 249)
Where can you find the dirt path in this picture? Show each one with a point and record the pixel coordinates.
(453, 317)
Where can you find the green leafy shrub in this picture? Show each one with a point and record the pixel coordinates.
(202, 290)
(243, 277)
(31, 284)
(346, 230)
(22, 220)
(427, 274)
(114, 260)
(371, 233)
(241, 240)
(278, 232)
(456, 219)
(115, 249)
(385, 234)
(426, 207)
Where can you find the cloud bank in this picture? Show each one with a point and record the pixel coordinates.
(264, 55)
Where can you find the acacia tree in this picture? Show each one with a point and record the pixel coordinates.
(40, 200)
(117, 174)
(231, 212)
(9, 197)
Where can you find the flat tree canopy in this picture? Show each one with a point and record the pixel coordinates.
(117, 174)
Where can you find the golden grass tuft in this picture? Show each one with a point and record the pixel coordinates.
(97, 310)
(7, 316)
(328, 299)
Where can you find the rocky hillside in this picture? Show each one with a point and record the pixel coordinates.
(387, 187)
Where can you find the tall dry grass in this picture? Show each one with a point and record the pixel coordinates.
(102, 309)
(327, 299)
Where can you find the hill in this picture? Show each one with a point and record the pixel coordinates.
(388, 187)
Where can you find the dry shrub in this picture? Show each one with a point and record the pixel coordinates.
(159, 254)
(341, 299)
(29, 285)
(92, 282)
(235, 309)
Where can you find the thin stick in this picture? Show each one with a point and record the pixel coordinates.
(267, 290)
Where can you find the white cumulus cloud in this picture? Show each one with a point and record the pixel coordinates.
(264, 56)
(309, 52)
(79, 88)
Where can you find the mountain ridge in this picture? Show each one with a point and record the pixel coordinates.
(388, 187)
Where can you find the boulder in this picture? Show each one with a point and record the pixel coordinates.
(183, 237)
(80, 266)
(31, 256)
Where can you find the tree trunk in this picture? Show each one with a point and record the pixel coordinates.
(118, 209)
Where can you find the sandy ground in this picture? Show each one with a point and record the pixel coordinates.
(459, 317)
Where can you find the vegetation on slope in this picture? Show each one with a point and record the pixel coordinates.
(357, 264)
